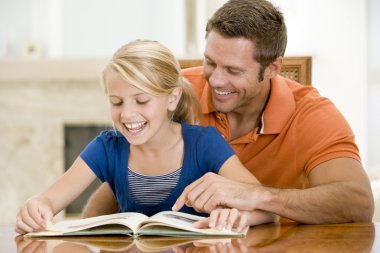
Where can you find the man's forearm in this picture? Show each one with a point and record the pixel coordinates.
(331, 203)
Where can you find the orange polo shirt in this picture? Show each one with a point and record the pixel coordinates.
(300, 129)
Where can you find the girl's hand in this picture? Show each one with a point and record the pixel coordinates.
(33, 215)
(226, 218)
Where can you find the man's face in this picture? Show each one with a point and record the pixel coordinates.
(232, 73)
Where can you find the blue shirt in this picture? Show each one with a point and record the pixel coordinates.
(107, 155)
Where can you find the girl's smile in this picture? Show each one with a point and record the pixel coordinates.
(141, 117)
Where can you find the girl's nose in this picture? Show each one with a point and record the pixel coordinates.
(128, 112)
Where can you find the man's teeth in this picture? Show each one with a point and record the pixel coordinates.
(222, 92)
(134, 126)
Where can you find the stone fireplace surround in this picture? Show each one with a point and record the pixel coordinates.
(37, 99)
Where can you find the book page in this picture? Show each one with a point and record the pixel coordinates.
(181, 221)
(131, 220)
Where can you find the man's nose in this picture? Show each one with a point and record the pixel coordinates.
(217, 78)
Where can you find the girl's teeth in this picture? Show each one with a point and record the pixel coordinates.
(134, 126)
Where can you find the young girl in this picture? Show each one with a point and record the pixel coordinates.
(155, 152)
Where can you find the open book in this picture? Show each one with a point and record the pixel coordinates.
(165, 223)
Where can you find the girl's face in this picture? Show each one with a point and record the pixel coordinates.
(141, 117)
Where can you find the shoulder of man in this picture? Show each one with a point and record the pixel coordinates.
(196, 78)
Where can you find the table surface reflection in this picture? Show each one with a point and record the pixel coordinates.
(290, 237)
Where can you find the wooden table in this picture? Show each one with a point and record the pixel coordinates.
(350, 237)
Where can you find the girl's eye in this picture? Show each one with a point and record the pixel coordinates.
(142, 102)
(116, 103)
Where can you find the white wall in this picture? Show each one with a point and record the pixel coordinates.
(334, 33)
(20, 23)
(374, 85)
(87, 28)
(106, 25)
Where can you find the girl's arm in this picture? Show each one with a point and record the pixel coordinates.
(233, 169)
(39, 209)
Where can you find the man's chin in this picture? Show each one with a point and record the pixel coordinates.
(223, 108)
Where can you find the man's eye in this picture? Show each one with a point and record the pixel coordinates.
(234, 71)
(210, 63)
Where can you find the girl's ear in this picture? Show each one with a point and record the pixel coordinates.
(174, 98)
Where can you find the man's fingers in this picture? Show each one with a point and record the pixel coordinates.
(182, 199)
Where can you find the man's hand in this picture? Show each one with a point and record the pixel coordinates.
(212, 191)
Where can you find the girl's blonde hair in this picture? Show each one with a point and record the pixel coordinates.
(151, 67)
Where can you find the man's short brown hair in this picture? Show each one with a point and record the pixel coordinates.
(256, 20)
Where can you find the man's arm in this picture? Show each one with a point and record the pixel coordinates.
(339, 192)
(101, 202)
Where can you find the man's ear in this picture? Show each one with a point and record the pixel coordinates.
(174, 98)
(275, 67)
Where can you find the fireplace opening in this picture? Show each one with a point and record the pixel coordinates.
(76, 139)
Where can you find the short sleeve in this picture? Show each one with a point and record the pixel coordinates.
(323, 134)
(212, 150)
(95, 156)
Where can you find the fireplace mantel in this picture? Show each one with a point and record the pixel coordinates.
(77, 69)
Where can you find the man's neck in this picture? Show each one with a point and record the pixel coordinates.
(241, 124)
(247, 118)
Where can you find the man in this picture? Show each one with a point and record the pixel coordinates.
(294, 141)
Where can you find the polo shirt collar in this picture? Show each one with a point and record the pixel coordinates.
(279, 109)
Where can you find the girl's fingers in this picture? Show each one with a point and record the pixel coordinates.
(22, 228)
(26, 218)
(222, 219)
(214, 215)
(242, 224)
(204, 223)
(234, 215)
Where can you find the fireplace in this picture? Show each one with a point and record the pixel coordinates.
(41, 102)
(76, 139)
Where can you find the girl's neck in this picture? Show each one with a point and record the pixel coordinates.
(164, 140)
(162, 155)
